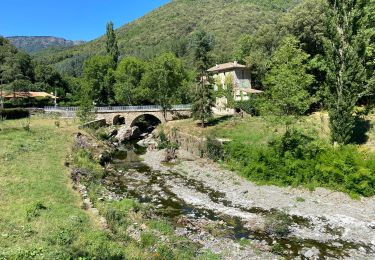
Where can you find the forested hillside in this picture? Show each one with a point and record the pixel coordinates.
(170, 27)
(33, 44)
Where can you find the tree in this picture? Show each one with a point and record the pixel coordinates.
(164, 75)
(203, 103)
(345, 50)
(287, 81)
(111, 43)
(99, 76)
(256, 49)
(128, 90)
(203, 43)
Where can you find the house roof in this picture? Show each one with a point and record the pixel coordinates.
(28, 94)
(251, 91)
(226, 66)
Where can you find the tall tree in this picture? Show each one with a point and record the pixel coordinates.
(203, 43)
(345, 50)
(202, 103)
(287, 81)
(99, 76)
(128, 90)
(111, 43)
(164, 75)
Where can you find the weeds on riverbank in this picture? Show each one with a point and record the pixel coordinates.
(295, 159)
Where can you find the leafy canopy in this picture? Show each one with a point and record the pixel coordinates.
(288, 80)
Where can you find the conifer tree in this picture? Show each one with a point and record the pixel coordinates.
(203, 44)
(203, 102)
(111, 43)
(345, 51)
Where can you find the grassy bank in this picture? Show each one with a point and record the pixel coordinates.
(41, 215)
(262, 151)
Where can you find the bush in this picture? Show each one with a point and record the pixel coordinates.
(214, 149)
(297, 160)
(249, 106)
(14, 113)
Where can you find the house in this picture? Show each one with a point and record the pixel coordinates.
(239, 77)
(28, 94)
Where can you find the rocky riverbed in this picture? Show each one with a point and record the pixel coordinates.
(324, 224)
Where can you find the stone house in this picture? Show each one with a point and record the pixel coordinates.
(239, 77)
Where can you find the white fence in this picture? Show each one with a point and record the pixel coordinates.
(151, 108)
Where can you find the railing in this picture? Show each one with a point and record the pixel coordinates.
(151, 108)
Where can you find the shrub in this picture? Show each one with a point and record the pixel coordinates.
(14, 113)
(248, 106)
(148, 239)
(297, 160)
(116, 213)
(214, 149)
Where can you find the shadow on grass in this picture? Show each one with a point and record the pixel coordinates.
(361, 128)
(219, 120)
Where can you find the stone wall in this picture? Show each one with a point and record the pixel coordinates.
(187, 142)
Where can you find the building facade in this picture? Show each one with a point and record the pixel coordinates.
(236, 75)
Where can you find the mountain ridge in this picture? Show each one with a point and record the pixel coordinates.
(34, 44)
(170, 27)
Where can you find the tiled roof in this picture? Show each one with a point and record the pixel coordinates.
(226, 66)
(252, 90)
(28, 94)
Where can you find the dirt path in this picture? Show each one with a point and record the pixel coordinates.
(325, 224)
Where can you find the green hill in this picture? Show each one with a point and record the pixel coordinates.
(170, 28)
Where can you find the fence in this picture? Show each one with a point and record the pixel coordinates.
(110, 109)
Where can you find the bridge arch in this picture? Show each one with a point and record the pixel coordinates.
(147, 120)
(118, 120)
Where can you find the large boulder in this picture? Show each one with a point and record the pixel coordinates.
(148, 141)
(127, 133)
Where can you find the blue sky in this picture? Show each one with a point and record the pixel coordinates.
(70, 19)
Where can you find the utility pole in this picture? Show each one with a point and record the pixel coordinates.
(1, 94)
(55, 97)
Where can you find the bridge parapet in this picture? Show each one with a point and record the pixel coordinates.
(115, 109)
(129, 113)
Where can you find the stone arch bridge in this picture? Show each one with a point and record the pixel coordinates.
(127, 115)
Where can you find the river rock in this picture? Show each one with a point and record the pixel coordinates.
(149, 140)
(155, 133)
(312, 253)
(127, 133)
(111, 132)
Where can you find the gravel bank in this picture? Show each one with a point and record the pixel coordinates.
(333, 217)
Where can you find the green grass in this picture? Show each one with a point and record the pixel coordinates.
(40, 213)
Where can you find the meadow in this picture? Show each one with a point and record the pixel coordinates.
(41, 215)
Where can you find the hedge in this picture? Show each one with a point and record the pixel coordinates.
(14, 113)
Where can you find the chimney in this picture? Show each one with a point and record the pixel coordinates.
(235, 62)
